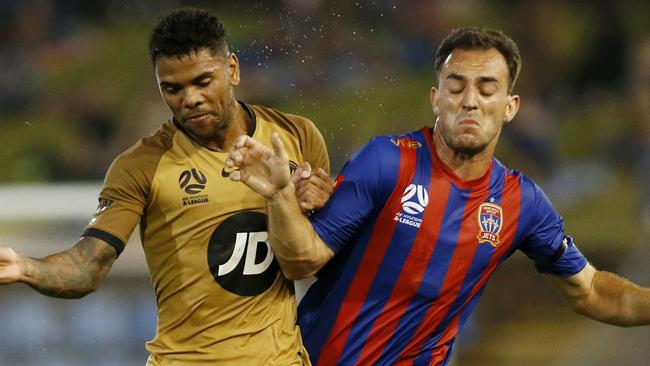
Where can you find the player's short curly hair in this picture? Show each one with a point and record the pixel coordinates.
(471, 38)
(187, 30)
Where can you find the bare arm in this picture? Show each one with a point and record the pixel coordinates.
(605, 297)
(71, 274)
(299, 250)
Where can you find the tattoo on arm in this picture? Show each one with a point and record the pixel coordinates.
(73, 273)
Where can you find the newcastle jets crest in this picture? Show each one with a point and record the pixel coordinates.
(490, 219)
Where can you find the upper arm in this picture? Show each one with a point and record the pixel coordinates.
(123, 198)
(545, 241)
(362, 187)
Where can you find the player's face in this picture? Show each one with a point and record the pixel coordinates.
(472, 101)
(199, 90)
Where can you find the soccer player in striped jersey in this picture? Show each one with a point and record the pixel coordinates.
(419, 222)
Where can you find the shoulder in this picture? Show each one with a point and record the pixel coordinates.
(512, 176)
(147, 152)
(390, 147)
(383, 154)
(534, 201)
(291, 122)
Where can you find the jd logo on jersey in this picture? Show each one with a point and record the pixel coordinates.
(239, 255)
(192, 181)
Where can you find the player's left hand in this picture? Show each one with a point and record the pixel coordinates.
(263, 170)
(313, 187)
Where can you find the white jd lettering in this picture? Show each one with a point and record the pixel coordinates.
(250, 241)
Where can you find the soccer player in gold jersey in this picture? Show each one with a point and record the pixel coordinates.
(222, 298)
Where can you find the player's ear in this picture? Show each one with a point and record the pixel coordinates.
(434, 101)
(511, 108)
(233, 69)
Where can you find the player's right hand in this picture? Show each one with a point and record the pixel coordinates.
(263, 170)
(9, 266)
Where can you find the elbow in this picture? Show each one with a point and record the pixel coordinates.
(593, 311)
(88, 287)
(293, 275)
(79, 294)
(298, 270)
(85, 290)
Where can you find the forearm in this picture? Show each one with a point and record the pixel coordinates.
(297, 247)
(615, 300)
(69, 274)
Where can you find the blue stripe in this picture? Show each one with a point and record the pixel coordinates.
(433, 277)
(388, 272)
(478, 266)
(320, 307)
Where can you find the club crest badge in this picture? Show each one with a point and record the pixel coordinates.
(490, 218)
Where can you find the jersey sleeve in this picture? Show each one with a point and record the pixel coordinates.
(313, 147)
(551, 249)
(121, 202)
(362, 187)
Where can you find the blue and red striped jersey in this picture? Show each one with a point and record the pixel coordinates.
(414, 248)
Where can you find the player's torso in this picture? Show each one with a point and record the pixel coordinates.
(220, 293)
(441, 239)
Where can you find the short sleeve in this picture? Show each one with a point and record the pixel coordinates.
(547, 245)
(362, 188)
(121, 202)
(313, 147)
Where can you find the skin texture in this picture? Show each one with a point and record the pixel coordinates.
(199, 90)
(472, 104)
(73, 273)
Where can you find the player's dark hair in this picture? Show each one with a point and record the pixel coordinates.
(471, 38)
(187, 30)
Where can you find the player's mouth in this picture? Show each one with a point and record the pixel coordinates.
(468, 122)
(197, 118)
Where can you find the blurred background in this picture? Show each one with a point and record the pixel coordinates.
(77, 87)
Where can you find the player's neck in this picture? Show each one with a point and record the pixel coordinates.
(465, 167)
(239, 125)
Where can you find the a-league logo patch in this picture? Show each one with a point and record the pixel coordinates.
(490, 218)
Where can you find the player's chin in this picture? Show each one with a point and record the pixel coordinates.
(203, 129)
(468, 145)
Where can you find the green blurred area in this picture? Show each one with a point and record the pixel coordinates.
(107, 67)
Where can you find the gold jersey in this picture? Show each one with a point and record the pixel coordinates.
(221, 297)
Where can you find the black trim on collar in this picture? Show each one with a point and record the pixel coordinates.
(251, 114)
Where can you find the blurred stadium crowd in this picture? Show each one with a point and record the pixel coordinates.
(75, 79)
(77, 88)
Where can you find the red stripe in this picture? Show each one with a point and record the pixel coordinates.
(456, 272)
(413, 271)
(510, 204)
(369, 265)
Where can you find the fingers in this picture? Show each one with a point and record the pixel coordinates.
(235, 176)
(302, 172)
(318, 180)
(313, 193)
(278, 147)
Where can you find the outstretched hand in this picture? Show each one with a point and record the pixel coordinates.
(9, 266)
(263, 170)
